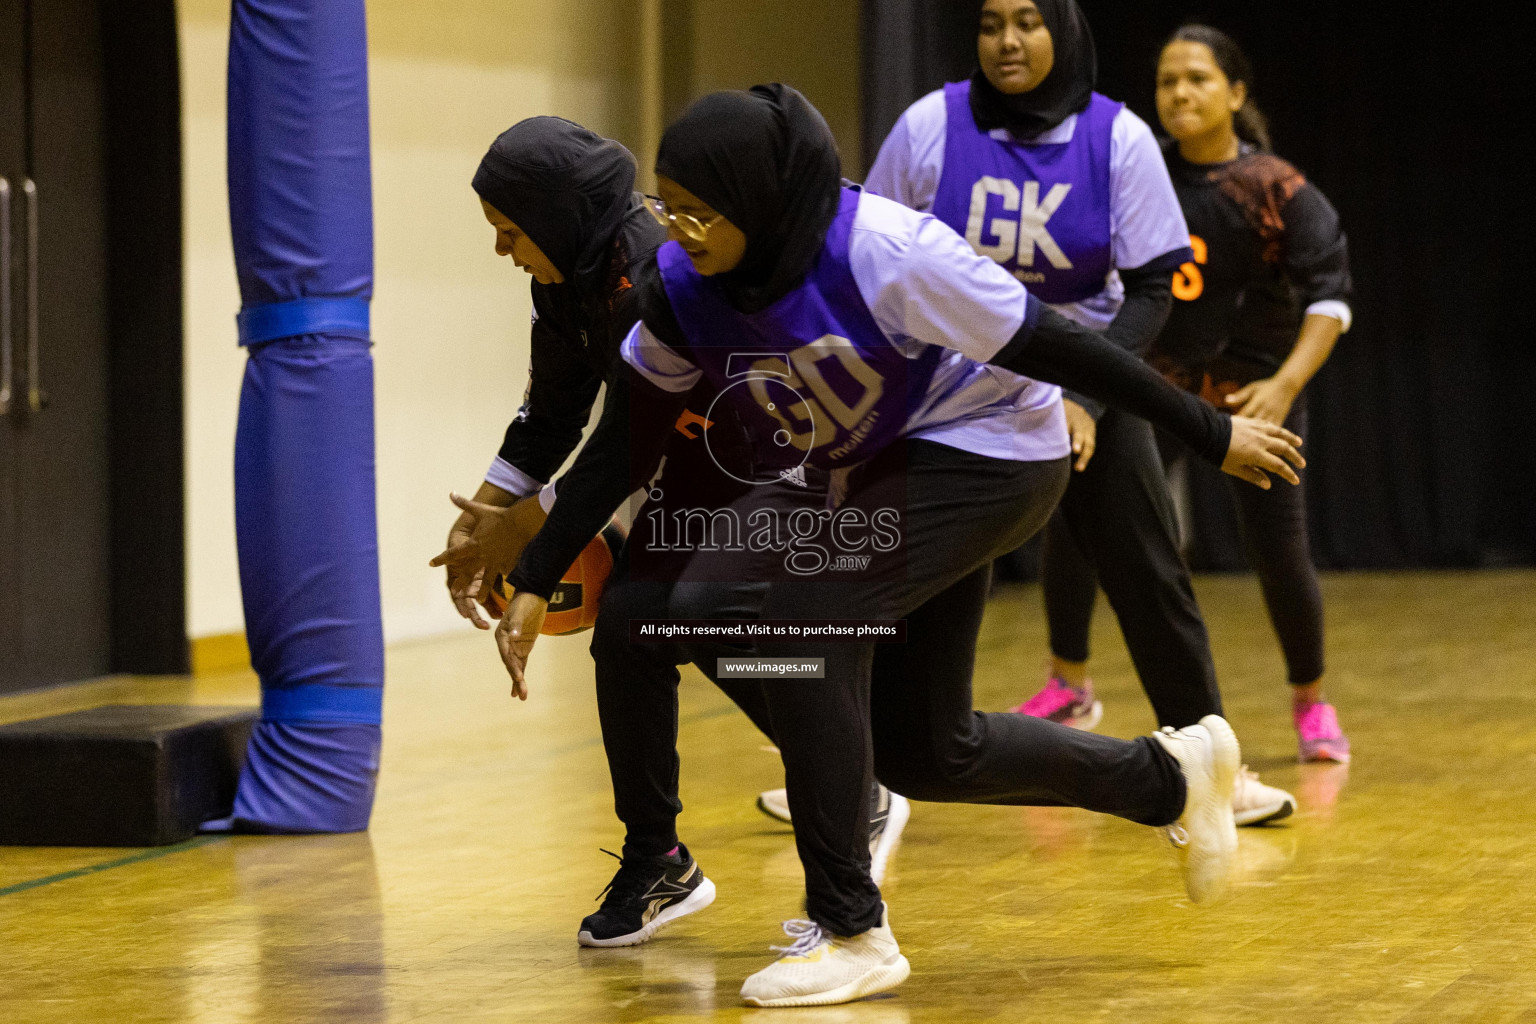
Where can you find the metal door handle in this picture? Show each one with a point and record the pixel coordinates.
(5, 296)
(37, 398)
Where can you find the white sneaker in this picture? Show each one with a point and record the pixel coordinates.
(1254, 803)
(1205, 834)
(774, 803)
(886, 822)
(819, 968)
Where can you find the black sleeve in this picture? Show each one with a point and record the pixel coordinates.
(1148, 301)
(1316, 253)
(1050, 347)
(621, 454)
(655, 310)
(562, 386)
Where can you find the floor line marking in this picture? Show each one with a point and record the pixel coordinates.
(155, 854)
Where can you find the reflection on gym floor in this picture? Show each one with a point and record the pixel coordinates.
(1399, 892)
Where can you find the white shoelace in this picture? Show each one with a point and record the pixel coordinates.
(807, 935)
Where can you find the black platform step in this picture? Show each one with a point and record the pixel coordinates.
(120, 775)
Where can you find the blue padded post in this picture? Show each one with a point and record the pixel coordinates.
(301, 213)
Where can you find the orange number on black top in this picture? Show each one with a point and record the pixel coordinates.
(1188, 283)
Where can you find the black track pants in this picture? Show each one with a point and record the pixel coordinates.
(1115, 529)
(637, 683)
(906, 710)
(1274, 532)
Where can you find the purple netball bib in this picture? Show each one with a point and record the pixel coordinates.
(812, 376)
(1042, 211)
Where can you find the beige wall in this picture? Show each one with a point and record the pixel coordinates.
(813, 46)
(450, 319)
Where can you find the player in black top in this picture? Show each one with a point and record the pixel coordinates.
(1256, 315)
(562, 202)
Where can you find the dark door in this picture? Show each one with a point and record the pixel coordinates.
(55, 596)
(12, 172)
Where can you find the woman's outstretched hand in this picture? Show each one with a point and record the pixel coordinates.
(468, 588)
(1259, 448)
(515, 637)
(486, 542)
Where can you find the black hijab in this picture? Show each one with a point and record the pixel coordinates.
(1064, 92)
(768, 162)
(567, 188)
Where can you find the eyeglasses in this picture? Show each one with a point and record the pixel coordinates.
(690, 226)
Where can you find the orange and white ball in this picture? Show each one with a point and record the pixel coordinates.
(573, 605)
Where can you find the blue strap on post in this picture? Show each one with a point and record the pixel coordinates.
(321, 702)
(272, 320)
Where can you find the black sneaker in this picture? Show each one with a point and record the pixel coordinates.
(646, 895)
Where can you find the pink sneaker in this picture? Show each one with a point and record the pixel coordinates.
(1317, 726)
(1072, 706)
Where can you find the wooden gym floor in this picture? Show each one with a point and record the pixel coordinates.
(1403, 891)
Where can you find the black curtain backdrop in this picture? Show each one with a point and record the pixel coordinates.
(1416, 122)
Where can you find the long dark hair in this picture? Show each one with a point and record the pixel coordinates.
(1249, 122)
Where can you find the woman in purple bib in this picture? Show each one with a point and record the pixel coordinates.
(1067, 191)
(852, 335)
